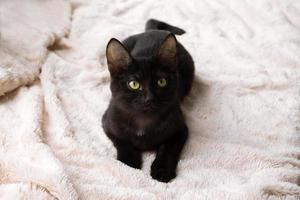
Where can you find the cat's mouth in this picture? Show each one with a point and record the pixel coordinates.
(154, 108)
(149, 108)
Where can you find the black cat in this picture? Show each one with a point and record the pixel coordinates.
(150, 74)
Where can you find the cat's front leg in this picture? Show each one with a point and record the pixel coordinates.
(128, 154)
(164, 166)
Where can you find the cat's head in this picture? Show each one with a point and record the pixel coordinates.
(145, 85)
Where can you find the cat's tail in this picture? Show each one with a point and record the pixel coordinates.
(153, 24)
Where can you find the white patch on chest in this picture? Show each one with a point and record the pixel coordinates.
(140, 132)
(142, 124)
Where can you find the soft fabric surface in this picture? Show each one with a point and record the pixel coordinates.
(243, 111)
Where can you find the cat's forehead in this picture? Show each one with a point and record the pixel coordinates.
(146, 74)
(145, 67)
(144, 63)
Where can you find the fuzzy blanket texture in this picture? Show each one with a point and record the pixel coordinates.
(242, 113)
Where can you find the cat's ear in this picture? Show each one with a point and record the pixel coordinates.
(167, 53)
(118, 58)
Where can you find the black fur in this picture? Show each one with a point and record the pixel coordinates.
(149, 118)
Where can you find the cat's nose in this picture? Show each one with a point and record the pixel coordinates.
(148, 99)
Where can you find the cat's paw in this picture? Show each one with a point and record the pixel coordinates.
(161, 172)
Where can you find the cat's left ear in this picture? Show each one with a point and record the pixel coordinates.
(167, 53)
(118, 58)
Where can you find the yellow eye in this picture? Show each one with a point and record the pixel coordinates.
(134, 85)
(162, 82)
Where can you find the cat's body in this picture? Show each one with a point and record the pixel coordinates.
(149, 117)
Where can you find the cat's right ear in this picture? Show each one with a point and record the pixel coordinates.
(118, 58)
(167, 53)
